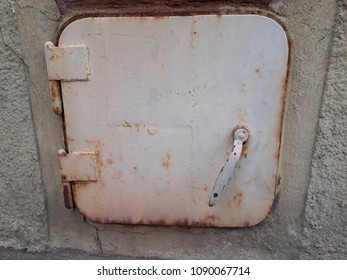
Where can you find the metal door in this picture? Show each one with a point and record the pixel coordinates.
(150, 105)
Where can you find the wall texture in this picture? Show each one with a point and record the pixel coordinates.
(325, 232)
(22, 212)
(308, 219)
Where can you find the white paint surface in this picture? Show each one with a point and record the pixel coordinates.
(161, 102)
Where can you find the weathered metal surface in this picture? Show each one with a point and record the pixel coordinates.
(163, 96)
(56, 97)
(68, 63)
(78, 166)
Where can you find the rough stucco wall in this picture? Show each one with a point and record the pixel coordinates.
(22, 212)
(38, 22)
(326, 209)
(293, 228)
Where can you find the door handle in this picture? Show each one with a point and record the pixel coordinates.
(240, 134)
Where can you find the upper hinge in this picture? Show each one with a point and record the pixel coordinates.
(79, 166)
(67, 62)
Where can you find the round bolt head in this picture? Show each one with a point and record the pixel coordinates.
(240, 132)
(242, 135)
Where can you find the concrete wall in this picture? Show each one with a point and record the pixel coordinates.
(309, 217)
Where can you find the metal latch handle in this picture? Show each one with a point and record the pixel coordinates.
(240, 135)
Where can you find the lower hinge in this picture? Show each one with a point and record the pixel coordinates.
(78, 166)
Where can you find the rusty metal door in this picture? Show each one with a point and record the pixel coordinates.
(172, 121)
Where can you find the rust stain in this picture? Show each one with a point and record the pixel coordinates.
(280, 115)
(70, 139)
(137, 126)
(257, 70)
(98, 164)
(192, 34)
(244, 152)
(54, 57)
(167, 160)
(243, 88)
(127, 124)
(109, 161)
(63, 177)
(211, 219)
(135, 168)
(56, 97)
(118, 176)
(219, 18)
(160, 18)
(97, 144)
(246, 224)
(57, 110)
(208, 221)
(241, 113)
(237, 198)
(248, 182)
(55, 90)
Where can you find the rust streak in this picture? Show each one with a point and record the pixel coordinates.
(70, 139)
(167, 160)
(278, 132)
(137, 126)
(57, 110)
(246, 224)
(209, 220)
(56, 97)
(237, 198)
(55, 90)
(54, 57)
(243, 88)
(127, 124)
(219, 18)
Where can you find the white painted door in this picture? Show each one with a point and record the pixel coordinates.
(157, 111)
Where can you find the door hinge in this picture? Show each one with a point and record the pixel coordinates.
(78, 166)
(65, 63)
